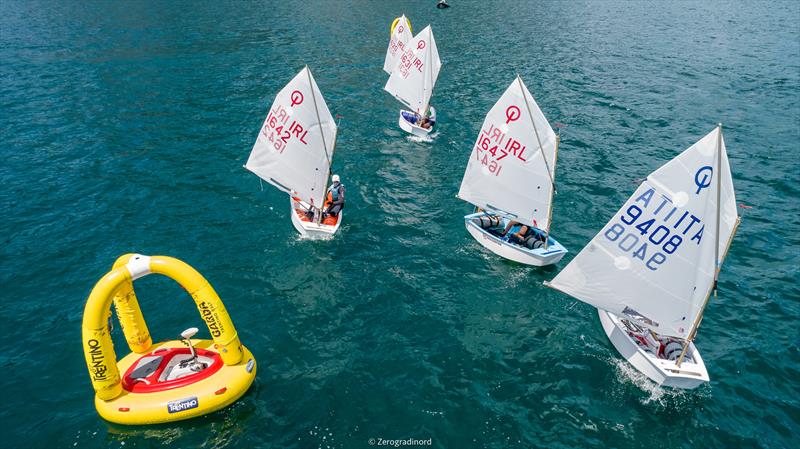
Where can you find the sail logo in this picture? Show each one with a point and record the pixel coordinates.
(512, 114)
(702, 178)
(296, 97)
(182, 405)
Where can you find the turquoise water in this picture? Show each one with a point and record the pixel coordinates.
(125, 128)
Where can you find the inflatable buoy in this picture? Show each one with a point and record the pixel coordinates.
(394, 24)
(168, 381)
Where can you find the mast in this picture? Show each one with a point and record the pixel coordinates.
(717, 261)
(428, 54)
(324, 145)
(544, 157)
(552, 191)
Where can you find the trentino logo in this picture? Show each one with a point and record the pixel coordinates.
(182, 405)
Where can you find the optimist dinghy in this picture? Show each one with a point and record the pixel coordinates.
(294, 150)
(412, 81)
(510, 175)
(653, 267)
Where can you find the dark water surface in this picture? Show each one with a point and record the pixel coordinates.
(125, 127)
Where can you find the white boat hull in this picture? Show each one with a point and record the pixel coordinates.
(411, 128)
(311, 229)
(537, 257)
(690, 374)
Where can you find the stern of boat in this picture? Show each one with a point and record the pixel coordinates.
(411, 128)
(308, 228)
(690, 374)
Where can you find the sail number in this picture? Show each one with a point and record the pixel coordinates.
(276, 131)
(408, 60)
(660, 237)
(493, 146)
(396, 44)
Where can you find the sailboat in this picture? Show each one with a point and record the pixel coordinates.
(412, 82)
(399, 36)
(510, 177)
(652, 269)
(294, 150)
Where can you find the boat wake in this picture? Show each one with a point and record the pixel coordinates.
(663, 398)
(420, 139)
(314, 238)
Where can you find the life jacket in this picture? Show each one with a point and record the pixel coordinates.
(333, 192)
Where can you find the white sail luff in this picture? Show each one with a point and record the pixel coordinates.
(655, 261)
(717, 262)
(550, 172)
(524, 88)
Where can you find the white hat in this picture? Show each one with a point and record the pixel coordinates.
(335, 178)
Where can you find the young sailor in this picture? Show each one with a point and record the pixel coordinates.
(335, 197)
(523, 235)
(424, 123)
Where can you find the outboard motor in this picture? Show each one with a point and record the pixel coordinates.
(192, 363)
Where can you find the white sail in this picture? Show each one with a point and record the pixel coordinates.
(655, 261)
(513, 161)
(397, 44)
(294, 147)
(415, 74)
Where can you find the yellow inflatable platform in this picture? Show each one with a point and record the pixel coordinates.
(168, 381)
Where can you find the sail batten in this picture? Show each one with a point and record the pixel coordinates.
(291, 150)
(507, 169)
(657, 259)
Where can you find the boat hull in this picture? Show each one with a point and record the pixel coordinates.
(411, 128)
(537, 257)
(689, 375)
(310, 229)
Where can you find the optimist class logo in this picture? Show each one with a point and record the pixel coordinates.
(297, 98)
(702, 183)
(512, 114)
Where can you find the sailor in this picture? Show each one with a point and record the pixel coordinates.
(424, 122)
(523, 235)
(335, 197)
